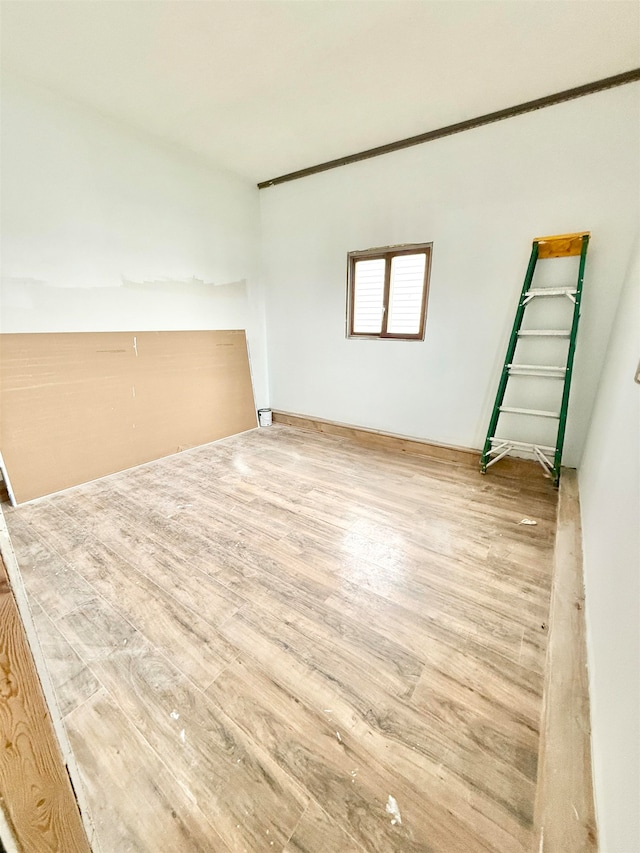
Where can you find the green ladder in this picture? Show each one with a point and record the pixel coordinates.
(495, 448)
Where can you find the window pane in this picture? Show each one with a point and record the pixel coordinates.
(368, 295)
(405, 294)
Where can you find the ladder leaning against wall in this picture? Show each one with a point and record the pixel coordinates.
(547, 454)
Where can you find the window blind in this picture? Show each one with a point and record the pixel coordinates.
(368, 296)
(405, 294)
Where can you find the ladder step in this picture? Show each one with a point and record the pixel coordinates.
(544, 333)
(538, 413)
(551, 291)
(561, 245)
(537, 370)
(522, 445)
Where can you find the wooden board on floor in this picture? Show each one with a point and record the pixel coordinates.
(565, 809)
(35, 792)
(78, 406)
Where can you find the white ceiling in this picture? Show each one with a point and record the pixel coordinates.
(263, 88)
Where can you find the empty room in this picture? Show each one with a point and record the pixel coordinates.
(320, 426)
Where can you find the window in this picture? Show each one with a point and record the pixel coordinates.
(387, 292)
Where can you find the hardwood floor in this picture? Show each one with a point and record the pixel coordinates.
(289, 642)
(38, 811)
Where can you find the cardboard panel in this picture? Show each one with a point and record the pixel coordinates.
(78, 406)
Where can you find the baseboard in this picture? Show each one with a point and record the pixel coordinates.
(464, 456)
(565, 820)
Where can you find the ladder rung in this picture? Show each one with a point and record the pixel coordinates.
(551, 291)
(539, 413)
(537, 370)
(522, 445)
(543, 333)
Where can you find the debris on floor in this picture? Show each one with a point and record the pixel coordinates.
(393, 810)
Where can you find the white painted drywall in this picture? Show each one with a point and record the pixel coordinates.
(106, 230)
(481, 197)
(609, 478)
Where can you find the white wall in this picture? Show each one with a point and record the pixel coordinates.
(481, 197)
(106, 230)
(609, 477)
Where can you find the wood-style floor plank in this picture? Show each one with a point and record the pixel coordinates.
(325, 756)
(287, 629)
(48, 578)
(73, 679)
(146, 808)
(424, 758)
(179, 632)
(317, 831)
(467, 662)
(232, 780)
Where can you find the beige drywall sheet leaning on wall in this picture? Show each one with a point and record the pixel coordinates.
(79, 406)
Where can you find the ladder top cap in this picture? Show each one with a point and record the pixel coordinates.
(561, 245)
